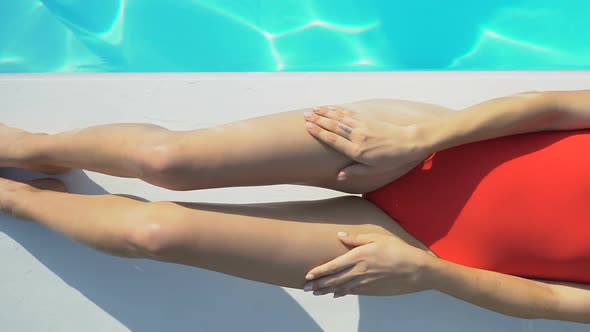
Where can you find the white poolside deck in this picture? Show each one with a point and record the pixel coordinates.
(48, 283)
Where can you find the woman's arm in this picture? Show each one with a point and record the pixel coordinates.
(380, 264)
(516, 114)
(379, 146)
(509, 294)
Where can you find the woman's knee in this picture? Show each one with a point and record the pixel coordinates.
(162, 161)
(153, 231)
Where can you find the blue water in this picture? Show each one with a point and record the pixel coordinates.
(292, 35)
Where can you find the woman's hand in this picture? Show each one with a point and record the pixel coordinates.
(377, 145)
(377, 265)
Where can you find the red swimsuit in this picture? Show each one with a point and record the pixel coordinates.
(518, 205)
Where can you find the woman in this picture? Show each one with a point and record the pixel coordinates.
(288, 244)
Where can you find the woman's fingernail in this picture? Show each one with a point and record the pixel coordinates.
(318, 293)
(315, 108)
(307, 288)
(331, 108)
(342, 234)
(309, 125)
(307, 114)
(309, 276)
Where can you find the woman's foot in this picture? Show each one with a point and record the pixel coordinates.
(14, 151)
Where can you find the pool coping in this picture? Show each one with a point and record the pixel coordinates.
(283, 75)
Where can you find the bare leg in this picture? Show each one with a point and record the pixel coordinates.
(272, 149)
(232, 239)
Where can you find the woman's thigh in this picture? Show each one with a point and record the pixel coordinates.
(277, 149)
(276, 243)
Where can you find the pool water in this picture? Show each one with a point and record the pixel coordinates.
(292, 35)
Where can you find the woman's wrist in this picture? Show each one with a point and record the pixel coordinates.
(434, 135)
(429, 271)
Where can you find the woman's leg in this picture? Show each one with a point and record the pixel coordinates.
(273, 149)
(275, 243)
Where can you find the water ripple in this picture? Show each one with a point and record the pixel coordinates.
(526, 38)
(308, 35)
(313, 22)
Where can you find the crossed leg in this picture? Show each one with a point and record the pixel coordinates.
(276, 243)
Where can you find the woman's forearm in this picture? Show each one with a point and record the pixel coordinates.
(507, 294)
(516, 114)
